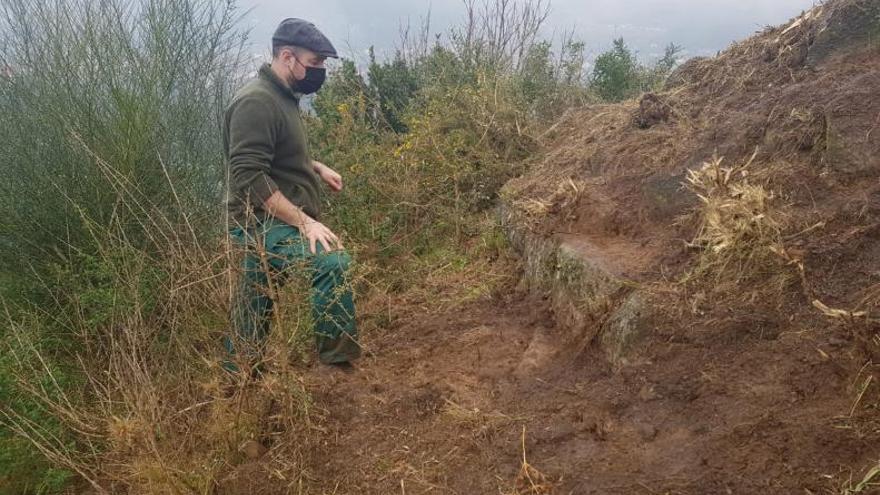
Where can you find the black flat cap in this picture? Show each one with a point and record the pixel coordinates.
(298, 32)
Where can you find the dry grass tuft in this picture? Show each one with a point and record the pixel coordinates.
(869, 484)
(481, 422)
(561, 201)
(530, 481)
(740, 229)
(154, 409)
(138, 421)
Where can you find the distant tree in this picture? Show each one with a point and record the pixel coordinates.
(345, 86)
(536, 78)
(392, 85)
(571, 62)
(655, 75)
(616, 73)
(668, 61)
(546, 83)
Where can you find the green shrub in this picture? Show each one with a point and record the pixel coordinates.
(393, 84)
(111, 150)
(139, 86)
(618, 75)
(426, 139)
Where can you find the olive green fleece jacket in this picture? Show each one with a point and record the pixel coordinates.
(266, 150)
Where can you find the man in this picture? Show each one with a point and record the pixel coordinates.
(274, 200)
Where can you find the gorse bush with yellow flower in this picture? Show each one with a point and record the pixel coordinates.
(426, 140)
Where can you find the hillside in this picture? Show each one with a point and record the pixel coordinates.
(677, 294)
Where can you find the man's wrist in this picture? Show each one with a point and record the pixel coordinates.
(306, 221)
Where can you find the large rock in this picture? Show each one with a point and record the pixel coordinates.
(850, 26)
(626, 325)
(852, 134)
(587, 291)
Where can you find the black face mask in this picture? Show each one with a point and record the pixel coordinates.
(312, 82)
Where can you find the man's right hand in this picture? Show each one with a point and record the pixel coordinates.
(280, 207)
(316, 232)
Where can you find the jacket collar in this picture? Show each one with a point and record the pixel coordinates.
(268, 74)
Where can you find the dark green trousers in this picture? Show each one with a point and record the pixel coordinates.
(273, 252)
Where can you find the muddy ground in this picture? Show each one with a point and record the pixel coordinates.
(723, 407)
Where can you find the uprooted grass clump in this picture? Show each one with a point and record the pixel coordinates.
(529, 480)
(739, 227)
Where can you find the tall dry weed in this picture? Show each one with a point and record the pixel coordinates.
(152, 408)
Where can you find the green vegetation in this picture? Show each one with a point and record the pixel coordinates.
(110, 161)
(116, 285)
(618, 75)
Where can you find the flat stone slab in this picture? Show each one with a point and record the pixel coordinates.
(587, 285)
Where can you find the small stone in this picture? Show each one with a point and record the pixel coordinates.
(253, 449)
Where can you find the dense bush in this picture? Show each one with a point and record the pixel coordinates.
(427, 138)
(139, 86)
(110, 149)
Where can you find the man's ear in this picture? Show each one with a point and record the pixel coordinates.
(286, 55)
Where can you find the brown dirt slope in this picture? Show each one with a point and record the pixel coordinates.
(443, 404)
(741, 386)
(803, 97)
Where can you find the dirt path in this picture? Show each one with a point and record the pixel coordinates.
(727, 407)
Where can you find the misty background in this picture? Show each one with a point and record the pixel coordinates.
(700, 27)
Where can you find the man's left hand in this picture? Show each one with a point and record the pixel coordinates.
(328, 175)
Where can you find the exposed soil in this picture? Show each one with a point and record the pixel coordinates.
(725, 406)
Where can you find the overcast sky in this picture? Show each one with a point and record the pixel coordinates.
(701, 27)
